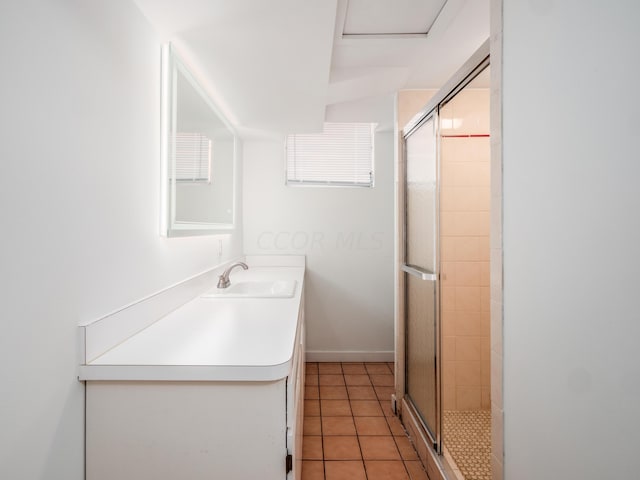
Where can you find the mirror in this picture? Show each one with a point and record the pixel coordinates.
(198, 153)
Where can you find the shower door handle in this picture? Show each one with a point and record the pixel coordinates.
(421, 273)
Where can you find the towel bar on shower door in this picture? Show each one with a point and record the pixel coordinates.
(420, 273)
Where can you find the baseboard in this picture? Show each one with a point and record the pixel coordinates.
(349, 356)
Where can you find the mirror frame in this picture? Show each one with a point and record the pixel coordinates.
(169, 227)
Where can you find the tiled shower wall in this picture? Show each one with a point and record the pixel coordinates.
(465, 249)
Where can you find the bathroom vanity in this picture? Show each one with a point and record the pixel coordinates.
(212, 389)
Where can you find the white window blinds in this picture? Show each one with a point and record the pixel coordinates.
(193, 157)
(341, 155)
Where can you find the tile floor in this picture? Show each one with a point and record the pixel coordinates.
(467, 439)
(350, 432)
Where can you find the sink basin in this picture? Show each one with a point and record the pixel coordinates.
(247, 289)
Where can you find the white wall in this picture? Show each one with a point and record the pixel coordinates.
(571, 237)
(79, 188)
(347, 236)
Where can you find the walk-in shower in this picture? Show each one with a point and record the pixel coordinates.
(464, 266)
(444, 268)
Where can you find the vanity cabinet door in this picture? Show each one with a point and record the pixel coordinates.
(192, 430)
(295, 407)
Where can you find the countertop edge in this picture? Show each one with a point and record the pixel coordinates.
(185, 373)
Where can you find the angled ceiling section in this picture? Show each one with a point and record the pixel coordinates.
(276, 67)
(379, 110)
(382, 46)
(266, 64)
(348, 84)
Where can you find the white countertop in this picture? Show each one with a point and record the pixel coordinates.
(212, 339)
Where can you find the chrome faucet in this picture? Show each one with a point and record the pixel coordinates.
(223, 280)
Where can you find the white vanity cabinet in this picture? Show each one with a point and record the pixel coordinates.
(202, 420)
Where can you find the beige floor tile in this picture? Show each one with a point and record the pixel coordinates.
(311, 448)
(333, 392)
(329, 368)
(353, 379)
(467, 437)
(366, 408)
(386, 470)
(311, 367)
(312, 470)
(338, 426)
(311, 379)
(335, 408)
(371, 426)
(341, 448)
(379, 448)
(345, 470)
(357, 392)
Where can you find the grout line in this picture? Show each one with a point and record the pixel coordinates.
(324, 470)
(364, 465)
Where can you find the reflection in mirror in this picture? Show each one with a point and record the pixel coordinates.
(198, 156)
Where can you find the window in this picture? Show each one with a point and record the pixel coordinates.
(342, 155)
(193, 158)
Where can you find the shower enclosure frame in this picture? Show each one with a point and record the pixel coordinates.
(412, 419)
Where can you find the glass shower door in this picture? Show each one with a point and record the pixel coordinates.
(421, 275)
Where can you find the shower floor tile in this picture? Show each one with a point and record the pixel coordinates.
(467, 437)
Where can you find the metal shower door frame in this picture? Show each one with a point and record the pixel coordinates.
(476, 64)
(435, 436)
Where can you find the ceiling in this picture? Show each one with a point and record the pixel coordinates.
(284, 66)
